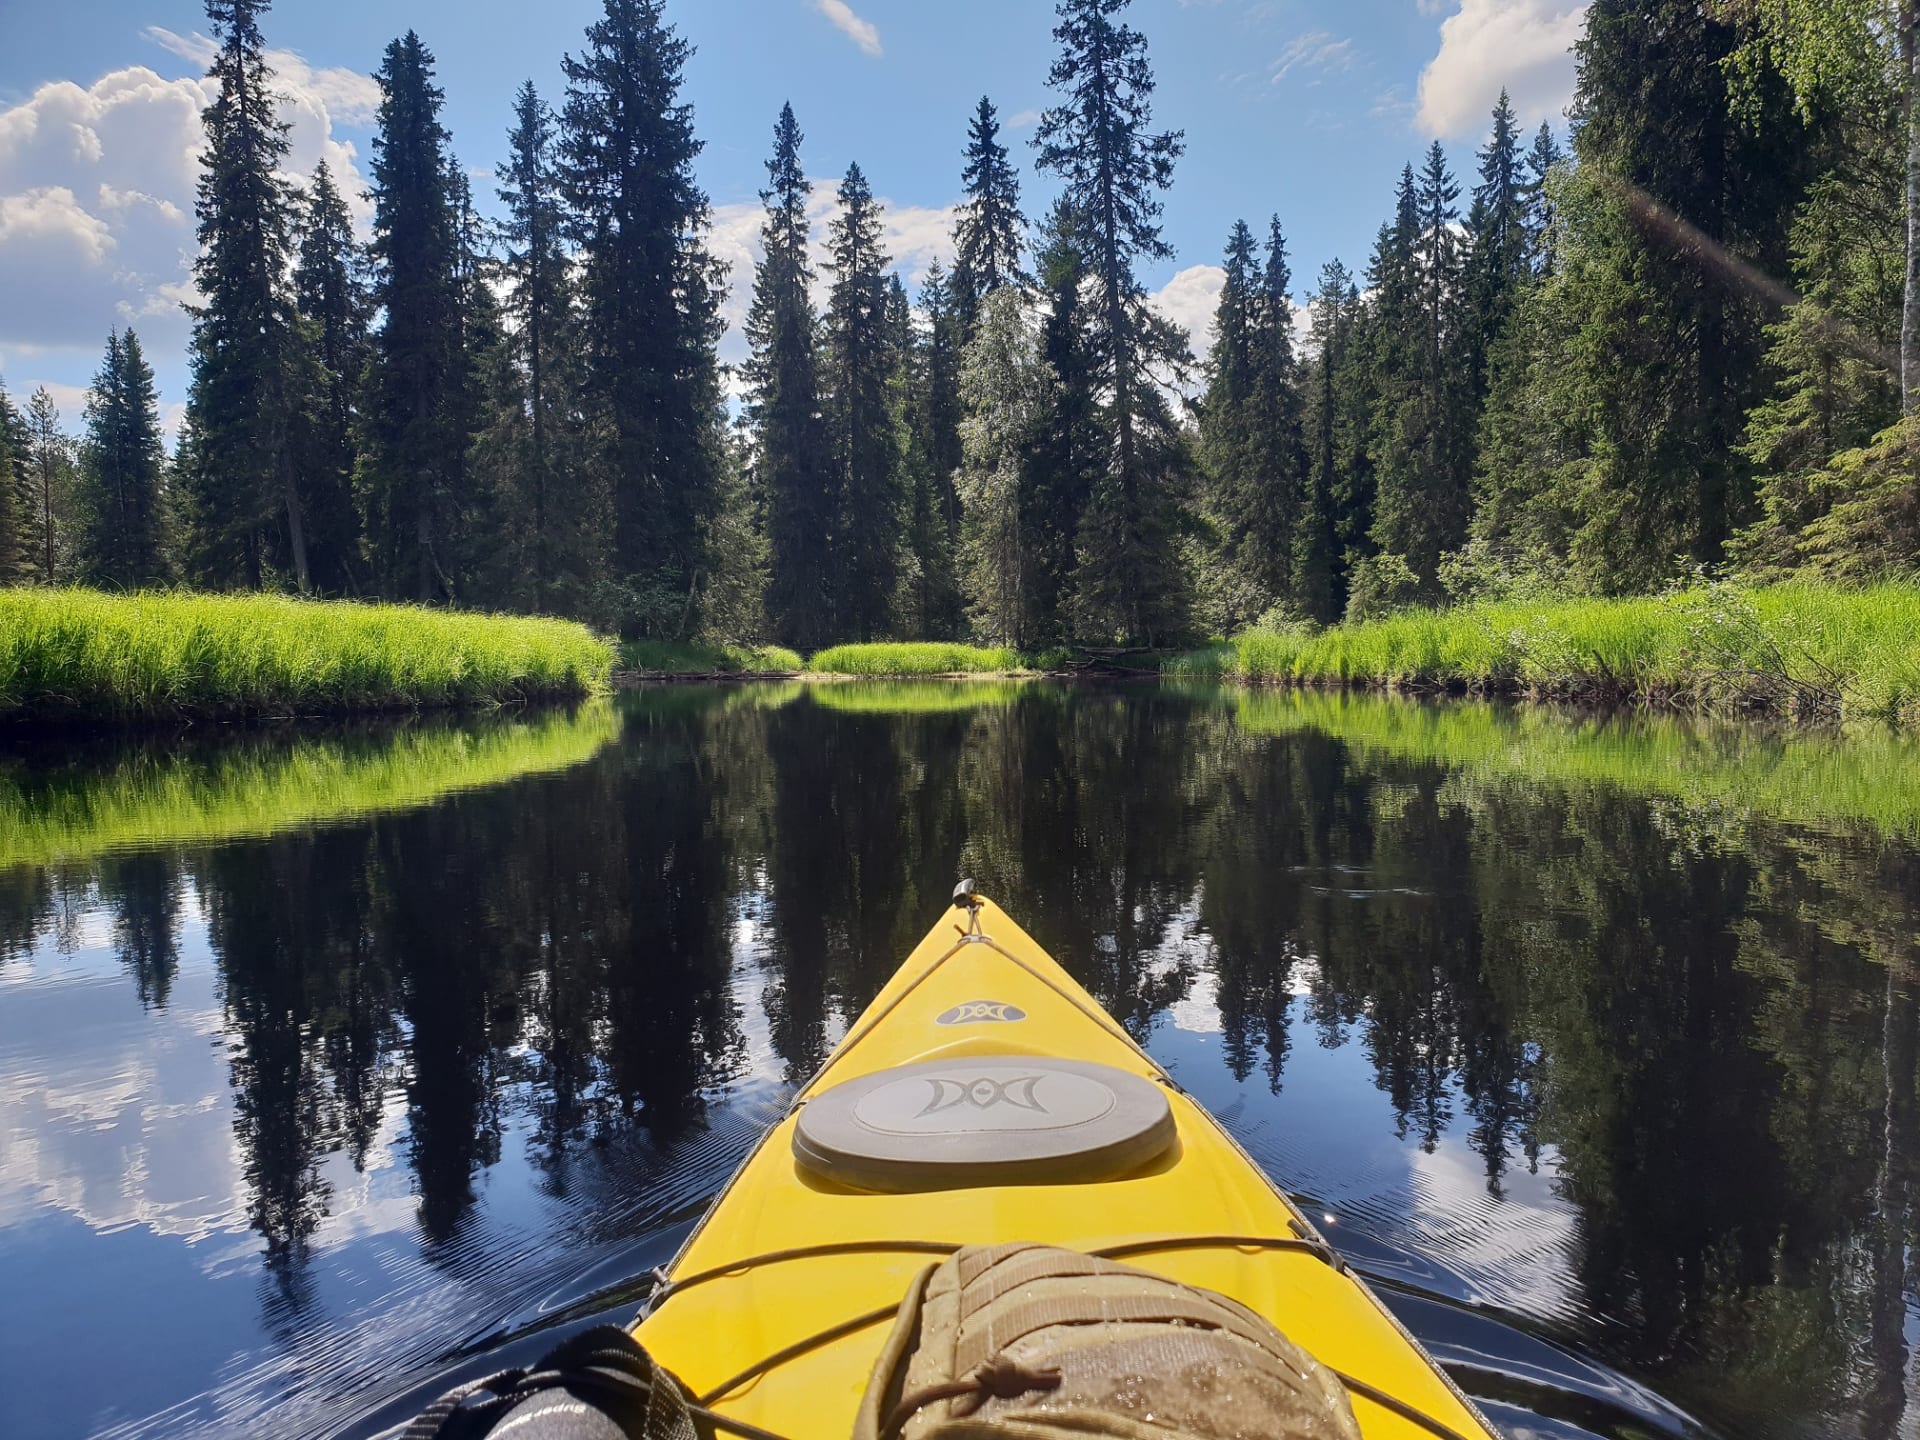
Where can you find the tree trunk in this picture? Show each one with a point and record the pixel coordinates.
(1910, 319)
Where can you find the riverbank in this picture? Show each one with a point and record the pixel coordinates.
(80, 655)
(1798, 651)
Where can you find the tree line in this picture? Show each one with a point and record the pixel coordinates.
(1682, 340)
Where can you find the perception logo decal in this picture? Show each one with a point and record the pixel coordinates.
(981, 1012)
(983, 1094)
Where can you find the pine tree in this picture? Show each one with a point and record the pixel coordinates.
(559, 520)
(15, 546)
(1113, 166)
(783, 404)
(244, 337)
(412, 443)
(863, 441)
(1006, 388)
(989, 237)
(331, 295)
(50, 489)
(121, 498)
(650, 302)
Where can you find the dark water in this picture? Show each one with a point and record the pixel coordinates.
(1595, 1042)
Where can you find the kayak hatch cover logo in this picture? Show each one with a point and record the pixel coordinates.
(982, 1094)
(981, 1012)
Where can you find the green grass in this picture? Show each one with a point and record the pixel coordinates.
(1808, 777)
(1793, 648)
(257, 784)
(680, 657)
(144, 657)
(916, 659)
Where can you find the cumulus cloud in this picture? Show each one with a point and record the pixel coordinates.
(1189, 300)
(1522, 45)
(1315, 50)
(863, 33)
(97, 190)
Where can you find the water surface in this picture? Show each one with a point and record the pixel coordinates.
(331, 1062)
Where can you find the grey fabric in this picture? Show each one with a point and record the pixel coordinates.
(984, 1120)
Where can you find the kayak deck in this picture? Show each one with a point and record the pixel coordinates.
(791, 1268)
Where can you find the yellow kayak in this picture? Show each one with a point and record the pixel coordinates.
(985, 1097)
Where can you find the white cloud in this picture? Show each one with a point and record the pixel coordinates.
(1522, 45)
(1023, 120)
(1315, 50)
(97, 190)
(1189, 300)
(863, 33)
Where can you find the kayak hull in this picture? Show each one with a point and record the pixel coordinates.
(1199, 1212)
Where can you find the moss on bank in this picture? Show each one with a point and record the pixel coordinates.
(1789, 649)
(146, 657)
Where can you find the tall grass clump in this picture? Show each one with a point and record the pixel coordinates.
(686, 657)
(916, 658)
(1801, 649)
(153, 656)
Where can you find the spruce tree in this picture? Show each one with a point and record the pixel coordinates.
(121, 499)
(330, 291)
(938, 434)
(413, 441)
(650, 302)
(1007, 390)
(50, 483)
(1229, 450)
(1542, 160)
(559, 523)
(927, 406)
(1319, 572)
(989, 237)
(1499, 246)
(783, 404)
(1070, 450)
(15, 546)
(1113, 166)
(1279, 421)
(244, 351)
(863, 442)
(1422, 438)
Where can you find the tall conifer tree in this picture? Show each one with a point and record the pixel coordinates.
(414, 442)
(650, 301)
(1100, 141)
(330, 291)
(122, 500)
(559, 525)
(990, 236)
(1070, 450)
(1319, 590)
(783, 402)
(863, 440)
(50, 486)
(15, 547)
(244, 342)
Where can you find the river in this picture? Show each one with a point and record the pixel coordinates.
(332, 1063)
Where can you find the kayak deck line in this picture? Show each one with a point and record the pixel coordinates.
(665, 1289)
(828, 1241)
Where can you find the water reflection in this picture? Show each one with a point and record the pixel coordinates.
(1551, 1027)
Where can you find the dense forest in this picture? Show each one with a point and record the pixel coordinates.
(1683, 337)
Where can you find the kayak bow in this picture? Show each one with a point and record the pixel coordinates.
(1028, 1114)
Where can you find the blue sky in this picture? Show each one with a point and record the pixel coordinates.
(1305, 108)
